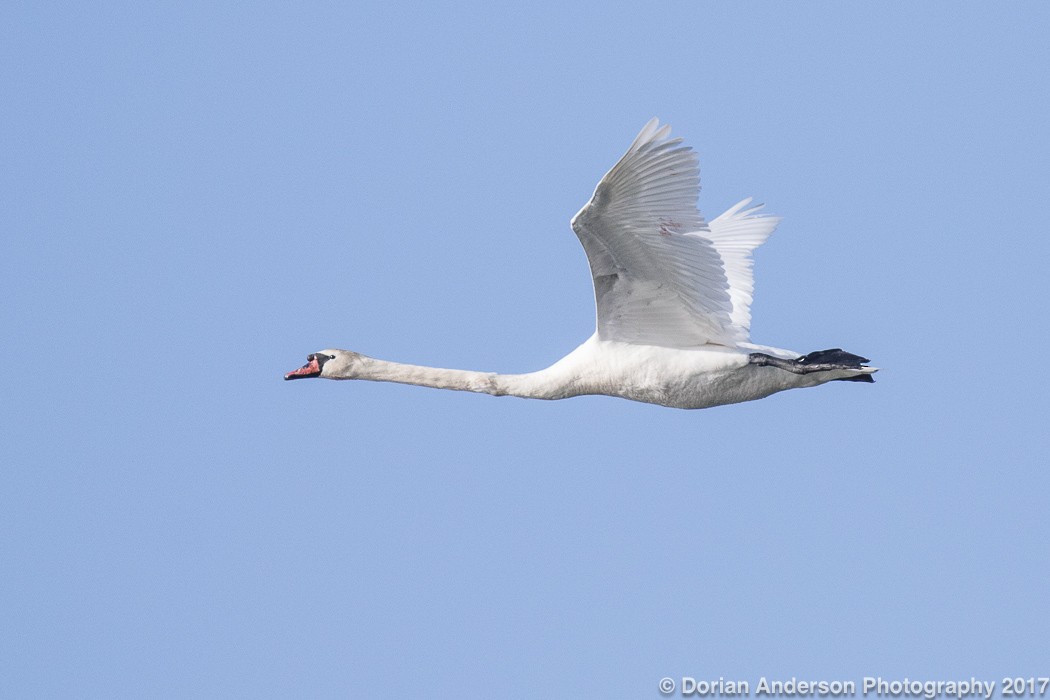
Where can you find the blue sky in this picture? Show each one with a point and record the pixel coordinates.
(197, 195)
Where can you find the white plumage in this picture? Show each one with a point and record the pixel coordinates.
(672, 297)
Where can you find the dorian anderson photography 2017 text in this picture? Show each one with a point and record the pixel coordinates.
(874, 686)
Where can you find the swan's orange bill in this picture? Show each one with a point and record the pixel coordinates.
(310, 369)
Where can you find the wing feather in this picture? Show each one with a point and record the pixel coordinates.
(735, 234)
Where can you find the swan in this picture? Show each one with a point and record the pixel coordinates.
(672, 294)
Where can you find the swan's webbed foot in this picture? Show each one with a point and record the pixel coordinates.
(837, 357)
(819, 361)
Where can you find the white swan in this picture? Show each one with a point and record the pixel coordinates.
(672, 294)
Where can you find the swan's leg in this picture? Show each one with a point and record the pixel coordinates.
(820, 361)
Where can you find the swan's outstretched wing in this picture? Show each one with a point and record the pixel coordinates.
(662, 276)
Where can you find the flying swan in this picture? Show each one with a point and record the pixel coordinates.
(672, 293)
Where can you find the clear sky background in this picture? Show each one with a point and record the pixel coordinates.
(196, 195)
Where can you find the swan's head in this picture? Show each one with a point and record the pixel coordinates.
(330, 364)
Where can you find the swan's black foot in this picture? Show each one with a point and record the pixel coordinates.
(819, 361)
(836, 356)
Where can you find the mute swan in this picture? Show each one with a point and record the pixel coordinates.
(672, 294)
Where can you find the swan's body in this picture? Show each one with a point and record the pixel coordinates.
(672, 293)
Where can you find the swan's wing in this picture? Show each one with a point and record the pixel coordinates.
(735, 234)
(658, 277)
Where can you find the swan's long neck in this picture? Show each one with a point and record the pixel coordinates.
(535, 385)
